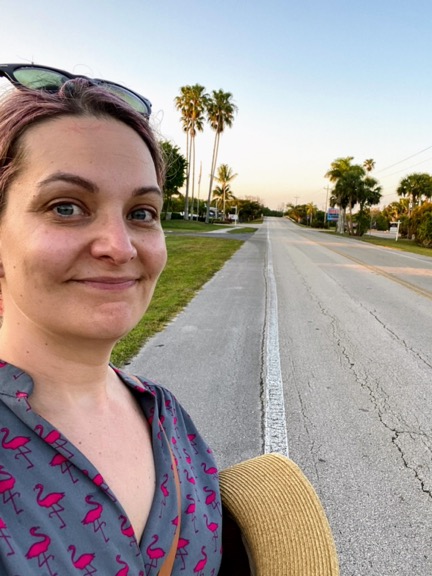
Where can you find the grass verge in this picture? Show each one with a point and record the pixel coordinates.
(401, 244)
(190, 226)
(242, 230)
(191, 263)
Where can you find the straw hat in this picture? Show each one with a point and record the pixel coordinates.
(282, 522)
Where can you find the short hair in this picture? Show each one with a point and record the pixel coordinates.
(23, 108)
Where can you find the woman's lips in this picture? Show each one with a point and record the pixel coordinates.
(107, 283)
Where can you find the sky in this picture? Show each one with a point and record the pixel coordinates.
(313, 80)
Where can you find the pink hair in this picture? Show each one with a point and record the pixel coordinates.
(21, 109)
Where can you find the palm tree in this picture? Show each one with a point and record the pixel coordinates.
(369, 165)
(338, 168)
(311, 210)
(192, 104)
(223, 193)
(416, 187)
(397, 210)
(220, 113)
(224, 176)
(369, 195)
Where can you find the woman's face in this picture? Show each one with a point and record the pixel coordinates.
(81, 245)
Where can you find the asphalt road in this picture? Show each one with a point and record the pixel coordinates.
(319, 346)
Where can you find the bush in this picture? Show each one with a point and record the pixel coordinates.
(420, 224)
(361, 223)
(381, 222)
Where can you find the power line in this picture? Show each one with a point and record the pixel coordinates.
(406, 169)
(403, 160)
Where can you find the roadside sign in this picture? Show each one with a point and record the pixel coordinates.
(332, 214)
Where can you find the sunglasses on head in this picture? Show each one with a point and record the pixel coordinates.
(51, 79)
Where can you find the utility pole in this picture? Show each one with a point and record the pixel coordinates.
(296, 199)
(327, 188)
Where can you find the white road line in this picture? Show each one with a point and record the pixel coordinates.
(275, 432)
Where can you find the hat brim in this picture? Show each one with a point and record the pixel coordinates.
(280, 516)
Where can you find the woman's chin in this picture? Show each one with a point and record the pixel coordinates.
(109, 327)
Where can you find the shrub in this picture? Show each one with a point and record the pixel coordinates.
(420, 224)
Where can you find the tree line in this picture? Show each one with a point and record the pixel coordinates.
(354, 187)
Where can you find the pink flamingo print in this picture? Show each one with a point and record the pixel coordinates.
(83, 562)
(165, 493)
(40, 548)
(6, 537)
(189, 478)
(99, 481)
(18, 443)
(123, 571)
(188, 458)
(93, 516)
(7, 484)
(54, 439)
(211, 499)
(183, 543)
(191, 509)
(213, 527)
(212, 471)
(192, 440)
(175, 522)
(52, 501)
(128, 531)
(65, 466)
(126, 527)
(201, 564)
(154, 554)
(23, 396)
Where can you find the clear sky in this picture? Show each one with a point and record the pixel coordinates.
(313, 79)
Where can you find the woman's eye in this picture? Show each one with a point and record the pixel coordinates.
(67, 209)
(142, 214)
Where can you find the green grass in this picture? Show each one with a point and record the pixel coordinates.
(189, 226)
(242, 230)
(191, 263)
(401, 244)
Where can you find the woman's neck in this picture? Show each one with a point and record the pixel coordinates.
(63, 370)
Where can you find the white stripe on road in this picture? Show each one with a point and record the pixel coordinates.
(275, 432)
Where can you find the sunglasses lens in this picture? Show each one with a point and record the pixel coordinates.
(40, 78)
(129, 97)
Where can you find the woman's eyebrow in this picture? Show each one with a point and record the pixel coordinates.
(91, 186)
(69, 178)
(147, 190)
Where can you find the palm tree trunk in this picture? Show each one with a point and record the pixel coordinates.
(212, 172)
(193, 174)
(341, 221)
(188, 151)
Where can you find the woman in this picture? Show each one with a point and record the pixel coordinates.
(99, 472)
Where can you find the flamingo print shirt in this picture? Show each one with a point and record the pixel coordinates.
(59, 517)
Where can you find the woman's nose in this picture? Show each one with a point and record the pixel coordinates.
(114, 241)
